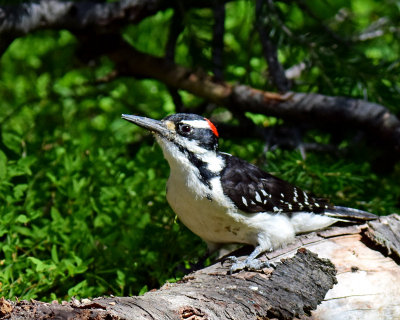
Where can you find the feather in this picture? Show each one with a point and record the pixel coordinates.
(264, 192)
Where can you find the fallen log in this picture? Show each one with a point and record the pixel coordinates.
(349, 272)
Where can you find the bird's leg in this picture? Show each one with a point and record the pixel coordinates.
(251, 262)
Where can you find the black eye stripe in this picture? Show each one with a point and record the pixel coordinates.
(204, 137)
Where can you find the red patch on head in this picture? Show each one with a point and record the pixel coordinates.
(212, 127)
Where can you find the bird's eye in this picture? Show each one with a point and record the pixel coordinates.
(185, 128)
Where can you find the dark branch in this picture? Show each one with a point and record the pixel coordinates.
(175, 30)
(270, 50)
(218, 40)
(21, 19)
(97, 26)
(87, 16)
(308, 107)
(324, 110)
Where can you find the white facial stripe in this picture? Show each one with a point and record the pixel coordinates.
(197, 123)
(214, 163)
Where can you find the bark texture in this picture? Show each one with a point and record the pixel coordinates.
(386, 233)
(296, 287)
(302, 285)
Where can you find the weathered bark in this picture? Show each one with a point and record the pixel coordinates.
(386, 233)
(367, 285)
(295, 287)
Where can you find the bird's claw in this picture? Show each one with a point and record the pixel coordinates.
(248, 264)
(232, 259)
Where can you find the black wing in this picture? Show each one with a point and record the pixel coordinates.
(253, 190)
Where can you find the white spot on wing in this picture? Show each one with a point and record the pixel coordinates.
(244, 201)
(295, 195)
(282, 195)
(258, 198)
(264, 192)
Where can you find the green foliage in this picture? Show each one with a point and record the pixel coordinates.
(82, 193)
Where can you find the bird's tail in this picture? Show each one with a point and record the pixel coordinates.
(350, 214)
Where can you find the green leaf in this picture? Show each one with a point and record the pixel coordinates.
(40, 266)
(77, 289)
(3, 165)
(54, 254)
(22, 219)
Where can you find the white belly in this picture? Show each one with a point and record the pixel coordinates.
(211, 219)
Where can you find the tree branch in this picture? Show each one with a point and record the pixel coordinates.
(218, 40)
(175, 30)
(270, 50)
(96, 22)
(306, 107)
(105, 17)
(24, 18)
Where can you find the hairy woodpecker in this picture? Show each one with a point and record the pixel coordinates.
(224, 199)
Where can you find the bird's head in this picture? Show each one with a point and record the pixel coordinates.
(186, 131)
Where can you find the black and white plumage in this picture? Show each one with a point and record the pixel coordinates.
(253, 190)
(224, 199)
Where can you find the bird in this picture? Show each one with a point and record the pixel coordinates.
(224, 199)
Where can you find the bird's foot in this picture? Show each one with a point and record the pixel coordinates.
(248, 264)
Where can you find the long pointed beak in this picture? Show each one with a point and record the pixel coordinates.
(152, 125)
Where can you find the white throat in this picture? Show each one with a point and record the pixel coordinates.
(180, 163)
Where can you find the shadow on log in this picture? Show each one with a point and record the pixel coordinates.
(342, 272)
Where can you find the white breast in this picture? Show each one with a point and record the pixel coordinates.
(206, 212)
(214, 220)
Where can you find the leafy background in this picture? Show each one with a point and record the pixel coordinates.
(82, 193)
